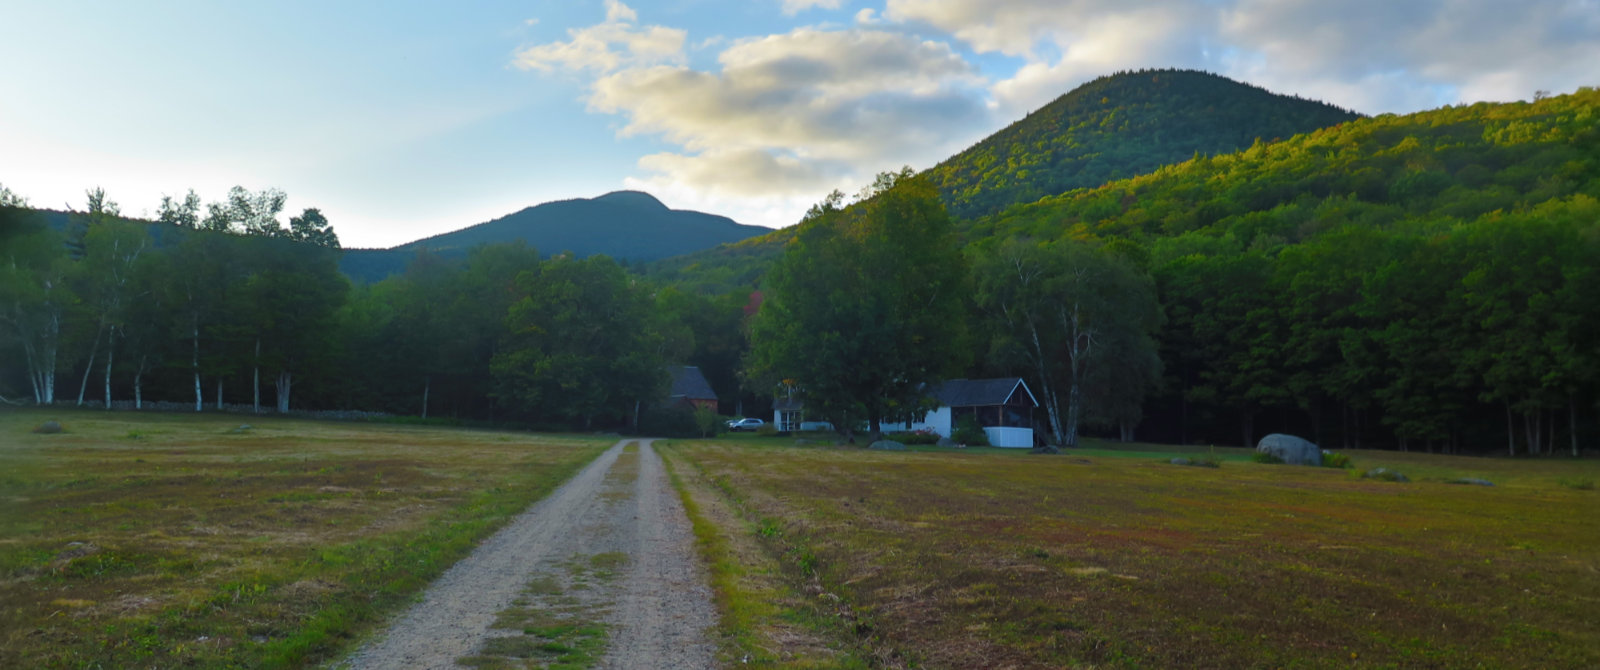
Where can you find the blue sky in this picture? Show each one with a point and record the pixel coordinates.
(405, 119)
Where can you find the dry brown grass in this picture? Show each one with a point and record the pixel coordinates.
(174, 540)
(955, 560)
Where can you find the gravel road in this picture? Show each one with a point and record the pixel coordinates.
(655, 604)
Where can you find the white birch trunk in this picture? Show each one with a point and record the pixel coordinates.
(427, 384)
(255, 380)
(138, 385)
(219, 393)
(285, 384)
(88, 368)
(194, 362)
(111, 350)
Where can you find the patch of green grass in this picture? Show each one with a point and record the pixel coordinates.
(950, 559)
(1578, 483)
(197, 547)
(764, 619)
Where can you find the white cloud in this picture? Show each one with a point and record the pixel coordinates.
(1374, 55)
(616, 12)
(794, 115)
(792, 7)
(1456, 50)
(608, 46)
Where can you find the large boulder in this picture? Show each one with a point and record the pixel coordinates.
(1290, 449)
(887, 445)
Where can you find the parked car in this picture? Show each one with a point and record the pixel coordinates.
(745, 424)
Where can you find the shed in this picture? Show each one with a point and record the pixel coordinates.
(690, 389)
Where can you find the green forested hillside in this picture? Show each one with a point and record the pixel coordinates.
(1437, 166)
(1424, 277)
(1120, 126)
(1114, 127)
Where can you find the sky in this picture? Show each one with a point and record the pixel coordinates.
(404, 119)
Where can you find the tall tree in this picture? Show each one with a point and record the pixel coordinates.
(864, 310)
(1083, 319)
(582, 344)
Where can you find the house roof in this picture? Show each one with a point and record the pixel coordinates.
(787, 404)
(687, 382)
(983, 392)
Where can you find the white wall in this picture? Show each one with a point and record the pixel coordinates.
(937, 421)
(1010, 437)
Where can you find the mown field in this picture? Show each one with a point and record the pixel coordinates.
(1113, 557)
(135, 541)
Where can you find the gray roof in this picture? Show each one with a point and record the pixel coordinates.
(983, 392)
(787, 404)
(687, 382)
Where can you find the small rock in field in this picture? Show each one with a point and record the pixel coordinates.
(48, 428)
(1385, 474)
(887, 445)
(1182, 461)
(1471, 481)
(802, 442)
(946, 442)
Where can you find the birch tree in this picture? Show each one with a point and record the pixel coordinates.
(34, 293)
(1067, 308)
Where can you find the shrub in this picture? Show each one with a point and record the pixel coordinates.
(1264, 457)
(708, 421)
(1335, 460)
(968, 432)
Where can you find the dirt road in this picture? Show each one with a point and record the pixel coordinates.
(601, 573)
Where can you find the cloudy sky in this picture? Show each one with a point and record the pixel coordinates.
(402, 119)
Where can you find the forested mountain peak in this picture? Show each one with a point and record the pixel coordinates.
(637, 199)
(1120, 126)
(630, 225)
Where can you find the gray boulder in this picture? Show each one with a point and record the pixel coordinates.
(887, 445)
(1182, 461)
(1291, 449)
(801, 442)
(1385, 474)
(48, 428)
(947, 442)
(1471, 481)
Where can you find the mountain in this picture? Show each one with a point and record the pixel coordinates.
(1435, 168)
(1114, 127)
(626, 225)
(1121, 126)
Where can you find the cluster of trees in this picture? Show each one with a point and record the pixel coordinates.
(873, 303)
(227, 296)
(208, 305)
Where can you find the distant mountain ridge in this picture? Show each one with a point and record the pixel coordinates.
(626, 225)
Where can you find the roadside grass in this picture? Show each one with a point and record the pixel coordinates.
(1111, 557)
(167, 540)
(770, 614)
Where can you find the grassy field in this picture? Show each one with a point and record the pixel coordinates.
(182, 541)
(1109, 556)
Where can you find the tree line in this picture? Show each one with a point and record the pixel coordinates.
(225, 305)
